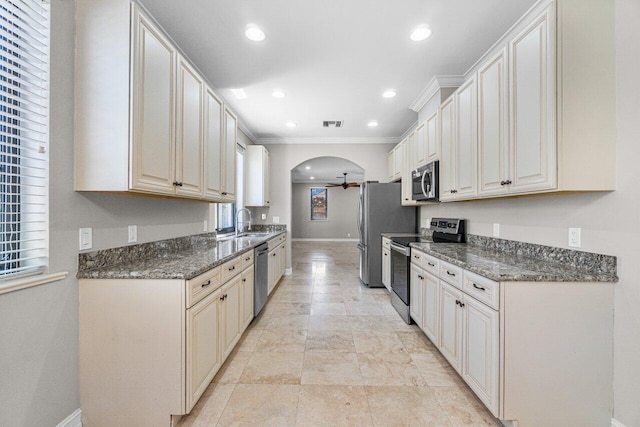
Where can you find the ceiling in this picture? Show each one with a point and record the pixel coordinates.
(332, 58)
(326, 170)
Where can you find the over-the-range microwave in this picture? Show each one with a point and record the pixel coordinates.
(424, 183)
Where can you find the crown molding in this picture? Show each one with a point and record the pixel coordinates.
(331, 140)
(436, 83)
(243, 127)
(408, 131)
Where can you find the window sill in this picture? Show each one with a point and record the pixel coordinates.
(28, 282)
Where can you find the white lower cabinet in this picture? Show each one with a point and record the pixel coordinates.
(230, 298)
(247, 284)
(416, 285)
(277, 261)
(481, 346)
(431, 307)
(386, 268)
(451, 324)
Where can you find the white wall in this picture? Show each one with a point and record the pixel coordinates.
(610, 222)
(342, 213)
(39, 326)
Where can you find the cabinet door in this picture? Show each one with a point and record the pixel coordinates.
(431, 135)
(152, 162)
(390, 165)
(231, 308)
(466, 140)
(282, 259)
(481, 351)
(204, 355)
(447, 145)
(421, 145)
(213, 146)
(398, 160)
(431, 307)
(247, 297)
(189, 143)
(493, 148)
(386, 268)
(451, 325)
(532, 105)
(415, 294)
(229, 164)
(266, 169)
(274, 264)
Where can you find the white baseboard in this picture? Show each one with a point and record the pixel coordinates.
(73, 420)
(297, 239)
(288, 271)
(616, 423)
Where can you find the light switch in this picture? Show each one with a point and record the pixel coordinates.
(574, 237)
(263, 216)
(496, 230)
(206, 226)
(276, 220)
(133, 233)
(86, 239)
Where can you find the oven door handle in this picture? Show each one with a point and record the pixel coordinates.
(403, 250)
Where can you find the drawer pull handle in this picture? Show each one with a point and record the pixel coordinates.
(420, 277)
(207, 283)
(273, 255)
(460, 303)
(247, 258)
(451, 274)
(479, 287)
(431, 264)
(385, 254)
(416, 257)
(232, 268)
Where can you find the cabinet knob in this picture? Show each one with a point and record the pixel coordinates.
(244, 280)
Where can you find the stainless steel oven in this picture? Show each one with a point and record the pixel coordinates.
(424, 182)
(400, 268)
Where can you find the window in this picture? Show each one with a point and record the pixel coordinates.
(24, 135)
(319, 204)
(226, 212)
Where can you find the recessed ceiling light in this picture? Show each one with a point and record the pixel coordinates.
(312, 177)
(277, 93)
(372, 124)
(254, 33)
(420, 33)
(389, 93)
(239, 93)
(307, 167)
(290, 124)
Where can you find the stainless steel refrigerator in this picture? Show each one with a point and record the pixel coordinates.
(380, 211)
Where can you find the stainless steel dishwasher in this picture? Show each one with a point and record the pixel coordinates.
(261, 278)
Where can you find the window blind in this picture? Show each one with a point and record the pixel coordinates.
(24, 136)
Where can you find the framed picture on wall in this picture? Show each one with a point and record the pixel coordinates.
(319, 204)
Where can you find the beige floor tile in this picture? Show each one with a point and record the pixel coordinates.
(321, 405)
(392, 369)
(302, 297)
(362, 308)
(330, 297)
(415, 342)
(463, 410)
(273, 368)
(328, 308)
(370, 323)
(329, 323)
(433, 372)
(289, 308)
(396, 322)
(373, 341)
(282, 341)
(360, 297)
(289, 323)
(272, 405)
(210, 406)
(232, 368)
(249, 340)
(405, 406)
(326, 289)
(330, 341)
(331, 368)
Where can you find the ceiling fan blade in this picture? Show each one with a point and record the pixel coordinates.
(333, 185)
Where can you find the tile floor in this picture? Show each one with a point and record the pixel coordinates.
(327, 351)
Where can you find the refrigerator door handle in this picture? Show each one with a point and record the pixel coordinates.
(360, 213)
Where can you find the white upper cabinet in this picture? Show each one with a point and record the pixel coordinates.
(257, 176)
(532, 105)
(447, 114)
(421, 145)
(398, 161)
(213, 135)
(153, 126)
(229, 164)
(466, 141)
(493, 138)
(409, 150)
(390, 165)
(189, 144)
(431, 135)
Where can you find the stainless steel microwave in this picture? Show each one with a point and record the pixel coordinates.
(424, 183)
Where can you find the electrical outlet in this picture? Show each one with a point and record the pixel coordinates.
(206, 226)
(496, 230)
(574, 237)
(86, 239)
(276, 220)
(133, 233)
(263, 216)
(348, 234)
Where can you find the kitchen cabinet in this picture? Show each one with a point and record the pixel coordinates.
(228, 167)
(277, 261)
(421, 145)
(447, 122)
(158, 128)
(431, 307)
(395, 160)
(386, 263)
(166, 335)
(493, 137)
(409, 151)
(390, 164)
(416, 287)
(451, 324)
(257, 176)
(431, 135)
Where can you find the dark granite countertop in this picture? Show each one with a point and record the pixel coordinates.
(503, 265)
(182, 258)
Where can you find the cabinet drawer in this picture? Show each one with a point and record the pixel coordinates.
(273, 243)
(231, 269)
(417, 257)
(430, 264)
(482, 289)
(202, 285)
(247, 259)
(451, 274)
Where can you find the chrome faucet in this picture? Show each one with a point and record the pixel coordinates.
(239, 229)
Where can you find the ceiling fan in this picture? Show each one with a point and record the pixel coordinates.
(344, 184)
